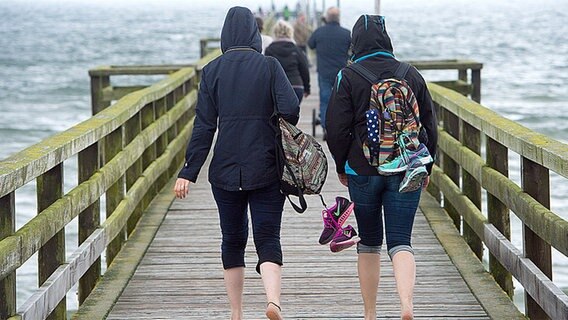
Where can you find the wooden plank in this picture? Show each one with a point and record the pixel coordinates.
(117, 70)
(450, 166)
(113, 145)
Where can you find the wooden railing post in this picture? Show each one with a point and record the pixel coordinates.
(98, 83)
(7, 228)
(203, 47)
(535, 180)
(462, 75)
(131, 129)
(476, 81)
(161, 107)
(148, 116)
(498, 213)
(451, 167)
(471, 138)
(432, 188)
(115, 193)
(89, 219)
(52, 254)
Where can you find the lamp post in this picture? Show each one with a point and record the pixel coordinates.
(377, 6)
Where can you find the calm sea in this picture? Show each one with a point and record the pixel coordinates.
(46, 49)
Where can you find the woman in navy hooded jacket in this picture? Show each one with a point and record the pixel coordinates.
(235, 100)
(371, 192)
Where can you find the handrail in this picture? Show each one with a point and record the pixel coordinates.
(127, 151)
(462, 175)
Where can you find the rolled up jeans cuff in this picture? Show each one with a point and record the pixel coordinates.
(397, 249)
(361, 248)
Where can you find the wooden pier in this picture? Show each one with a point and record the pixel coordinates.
(163, 256)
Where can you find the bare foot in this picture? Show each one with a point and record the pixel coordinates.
(273, 311)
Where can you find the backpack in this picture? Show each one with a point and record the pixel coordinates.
(392, 114)
(301, 161)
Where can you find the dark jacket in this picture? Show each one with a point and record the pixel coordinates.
(235, 95)
(331, 43)
(351, 94)
(293, 61)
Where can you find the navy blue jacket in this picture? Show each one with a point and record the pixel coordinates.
(235, 98)
(350, 97)
(331, 43)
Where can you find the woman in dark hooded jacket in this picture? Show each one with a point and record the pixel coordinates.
(372, 192)
(235, 100)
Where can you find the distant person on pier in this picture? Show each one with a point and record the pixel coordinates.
(377, 196)
(302, 33)
(235, 100)
(266, 39)
(291, 58)
(331, 42)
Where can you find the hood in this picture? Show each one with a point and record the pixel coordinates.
(369, 35)
(240, 30)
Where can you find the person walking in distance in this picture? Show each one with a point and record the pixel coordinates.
(390, 191)
(291, 58)
(331, 42)
(302, 32)
(235, 100)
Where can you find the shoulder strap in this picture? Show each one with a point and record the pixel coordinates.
(364, 72)
(402, 70)
(368, 75)
(270, 61)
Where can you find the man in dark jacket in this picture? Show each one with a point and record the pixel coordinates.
(331, 43)
(374, 193)
(235, 96)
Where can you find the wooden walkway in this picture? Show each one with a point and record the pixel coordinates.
(180, 276)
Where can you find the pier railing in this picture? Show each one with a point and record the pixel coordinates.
(126, 153)
(464, 173)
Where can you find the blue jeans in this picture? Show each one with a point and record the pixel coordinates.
(325, 87)
(372, 195)
(266, 205)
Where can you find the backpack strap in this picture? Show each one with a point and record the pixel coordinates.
(364, 72)
(368, 75)
(402, 70)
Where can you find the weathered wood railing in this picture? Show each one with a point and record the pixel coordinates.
(126, 152)
(463, 174)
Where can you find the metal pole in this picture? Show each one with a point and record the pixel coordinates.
(338, 4)
(378, 6)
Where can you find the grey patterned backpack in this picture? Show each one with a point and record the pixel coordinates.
(301, 161)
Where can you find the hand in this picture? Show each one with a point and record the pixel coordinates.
(181, 188)
(425, 183)
(306, 94)
(343, 179)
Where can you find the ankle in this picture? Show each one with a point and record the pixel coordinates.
(371, 315)
(407, 312)
(236, 315)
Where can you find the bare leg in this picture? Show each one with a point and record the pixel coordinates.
(405, 274)
(234, 282)
(369, 268)
(271, 274)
